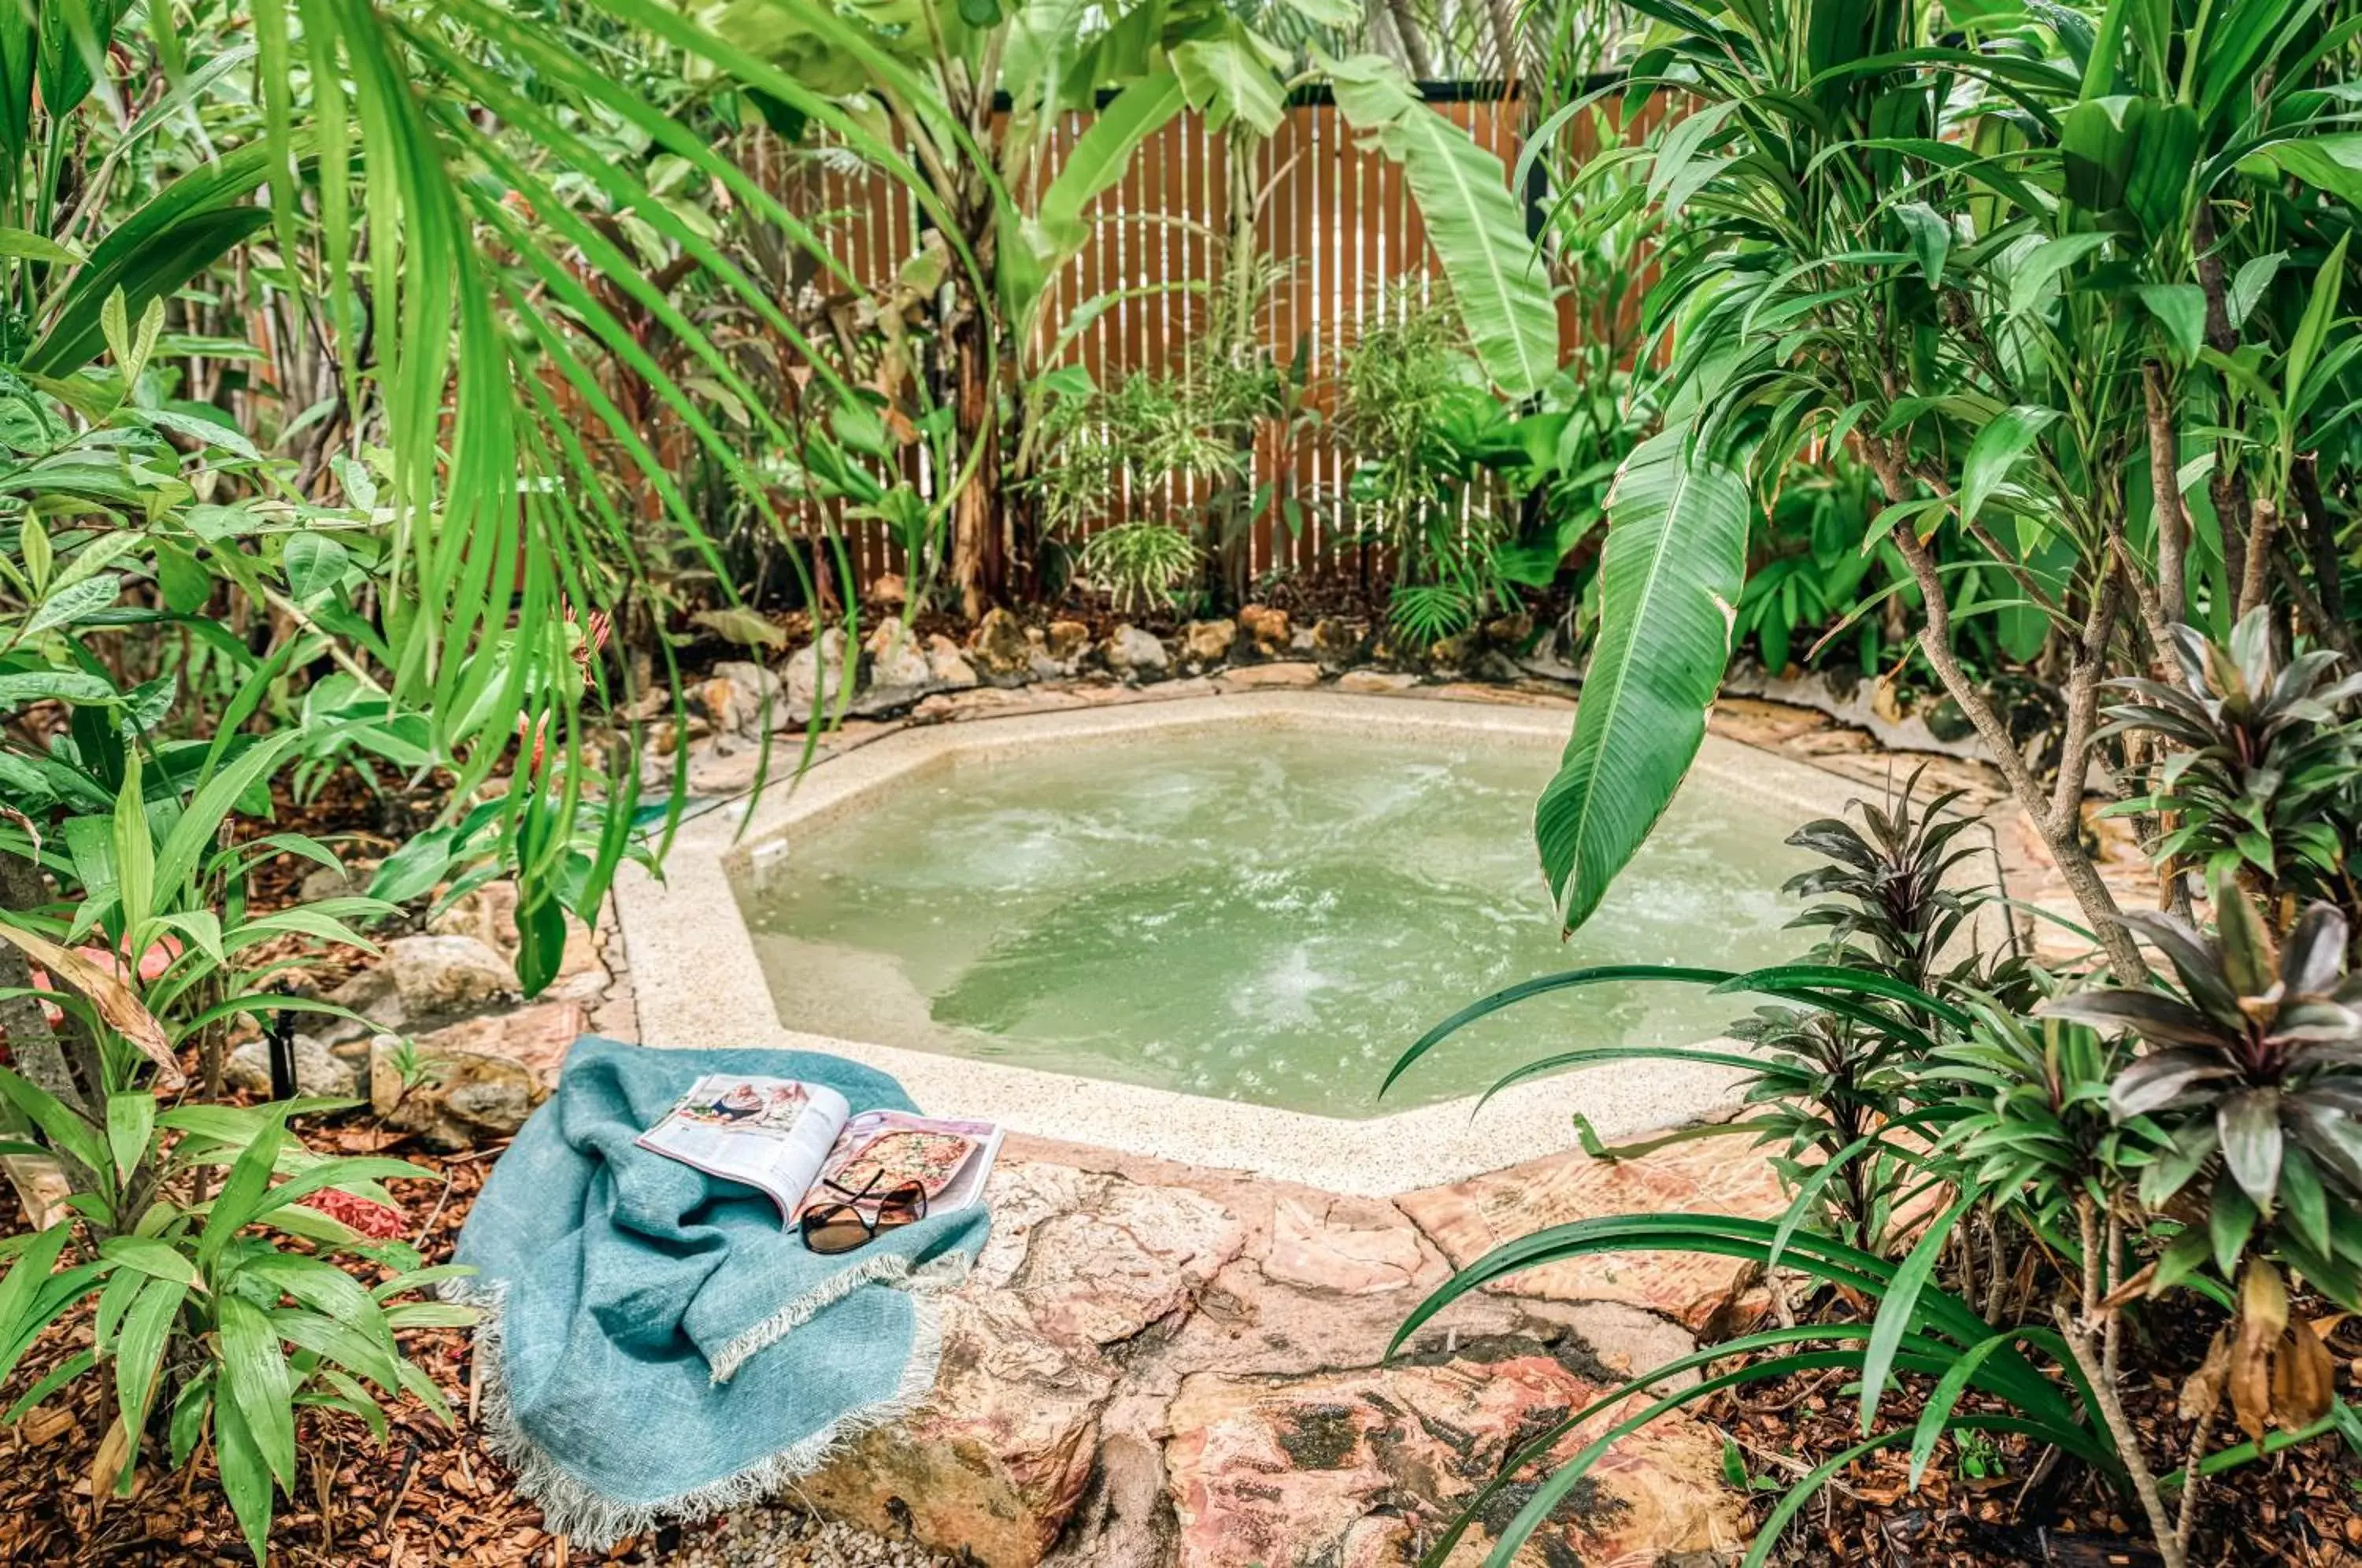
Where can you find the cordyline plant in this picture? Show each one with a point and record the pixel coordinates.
(2259, 782)
(2254, 1075)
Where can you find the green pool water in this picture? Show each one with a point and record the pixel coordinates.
(1257, 914)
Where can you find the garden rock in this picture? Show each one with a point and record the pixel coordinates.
(815, 673)
(1266, 627)
(1352, 1246)
(1082, 1266)
(442, 975)
(947, 667)
(333, 882)
(1208, 642)
(1136, 654)
(900, 673)
(461, 1100)
(1456, 652)
(536, 1037)
(743, 690)
(1335, 644)
(1066, 642)
(1366, 1466)
(1002, 654)
(317, 1070)
(1509, 631)
(1380, 682)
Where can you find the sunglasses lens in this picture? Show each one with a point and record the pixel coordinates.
(902, 1206)
(835, 1229)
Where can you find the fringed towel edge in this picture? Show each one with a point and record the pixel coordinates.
(578, 1510)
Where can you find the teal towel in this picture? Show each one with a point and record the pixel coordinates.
(656, 1346)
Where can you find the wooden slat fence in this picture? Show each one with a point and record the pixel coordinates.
(1339, 220)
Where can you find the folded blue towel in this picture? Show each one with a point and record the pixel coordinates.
(656, 1345)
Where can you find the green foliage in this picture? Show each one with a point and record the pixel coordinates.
(1669, 576)
(2265, 758)
(2042, 278)
(1141, 563)
(2250, 1075)
(205, 1317)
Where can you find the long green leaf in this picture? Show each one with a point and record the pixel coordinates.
(1476, 228)
(1670, 577)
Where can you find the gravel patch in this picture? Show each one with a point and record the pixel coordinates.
(780, 1535)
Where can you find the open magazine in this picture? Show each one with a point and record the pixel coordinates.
(802, 1144)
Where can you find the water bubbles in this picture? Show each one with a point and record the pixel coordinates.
(1254, 914)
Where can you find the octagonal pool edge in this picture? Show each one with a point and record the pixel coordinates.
(699, 980)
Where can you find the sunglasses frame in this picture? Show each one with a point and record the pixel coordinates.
(825, 1215)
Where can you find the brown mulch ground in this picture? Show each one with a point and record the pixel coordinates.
(429, 1497)
(2301, 1508)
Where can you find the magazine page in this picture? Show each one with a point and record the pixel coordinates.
(881, 1150)
(774, 1135)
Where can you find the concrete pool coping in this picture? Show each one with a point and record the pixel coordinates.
(700, 983)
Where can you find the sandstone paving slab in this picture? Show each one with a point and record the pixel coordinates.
(1711, 1176)
(1367, 1466)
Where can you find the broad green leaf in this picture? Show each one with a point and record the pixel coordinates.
(1226, 78)
(68, 1133)
(140, 1349)
(2313, 331)
(315, 565)
(35, 248)
(1670, 577)
(1995, 451)
(1476, 228)
(255, 1379)
(1931, 238)
(130, 1118)
(1101, 155)
(70, 605)
(182, 229)
(134, 855)
(2181, 309)
(2037, 272)
(241, 1195)
(2331, 162)
(245, 1472)
(159, 1260)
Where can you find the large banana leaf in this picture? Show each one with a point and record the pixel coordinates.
(1670, 576)
(1477, 227)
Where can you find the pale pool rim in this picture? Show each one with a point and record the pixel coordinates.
(699, 981)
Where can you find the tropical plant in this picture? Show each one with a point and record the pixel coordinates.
(1989, 255)
(2259, 774)
(2251, 1076)
(205, 1326)
(1011, 231)
(1141, 563)
(1953, 1162)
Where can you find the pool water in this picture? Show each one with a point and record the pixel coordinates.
(1258, 915)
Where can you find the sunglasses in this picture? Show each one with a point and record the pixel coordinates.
(832, 1228)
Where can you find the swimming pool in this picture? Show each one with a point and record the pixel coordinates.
(1248, 912)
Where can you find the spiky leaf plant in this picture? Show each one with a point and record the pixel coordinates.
(2264, 756)
(2253, 1073)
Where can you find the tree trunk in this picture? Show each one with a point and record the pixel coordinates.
(979, 528)
(40, 1052)
(2056, 814)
